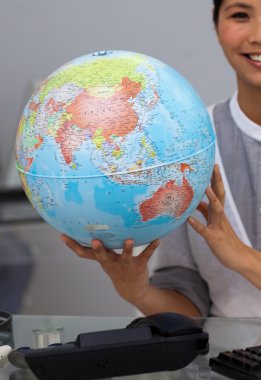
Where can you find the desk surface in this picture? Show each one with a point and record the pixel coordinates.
(224, 334)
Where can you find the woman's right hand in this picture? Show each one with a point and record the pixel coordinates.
(128, 273)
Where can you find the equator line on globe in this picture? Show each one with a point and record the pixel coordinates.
(115, 145)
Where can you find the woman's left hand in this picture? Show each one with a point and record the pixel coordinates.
(218, 232)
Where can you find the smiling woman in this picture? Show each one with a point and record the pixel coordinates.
(187, 276)
(239, 33)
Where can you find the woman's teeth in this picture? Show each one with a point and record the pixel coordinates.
(254, 57)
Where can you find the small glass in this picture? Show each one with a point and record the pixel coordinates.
(45, 337)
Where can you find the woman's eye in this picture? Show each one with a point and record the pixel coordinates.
(240, 15)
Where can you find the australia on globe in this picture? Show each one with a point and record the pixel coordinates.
(115, 145)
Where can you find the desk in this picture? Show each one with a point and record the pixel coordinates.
(224, 334)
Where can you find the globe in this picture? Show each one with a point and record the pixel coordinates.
(115, 145)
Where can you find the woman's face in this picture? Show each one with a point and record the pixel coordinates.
(239, 33)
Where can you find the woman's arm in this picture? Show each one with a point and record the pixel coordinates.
(220, 236)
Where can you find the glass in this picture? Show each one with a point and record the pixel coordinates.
(43, 338)
(6, 333)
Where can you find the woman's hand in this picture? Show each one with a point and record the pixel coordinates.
(218, 232)
(128, 273)
(220, 236)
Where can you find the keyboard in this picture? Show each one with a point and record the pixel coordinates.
(241, 364)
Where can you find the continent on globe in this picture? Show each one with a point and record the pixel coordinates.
(171, 199)
(115, 145)
(109, 114)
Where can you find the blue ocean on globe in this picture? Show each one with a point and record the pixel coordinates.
(115, 145)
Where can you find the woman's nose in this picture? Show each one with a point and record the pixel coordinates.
(255, 33)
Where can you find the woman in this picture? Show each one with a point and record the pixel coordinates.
(186, 276)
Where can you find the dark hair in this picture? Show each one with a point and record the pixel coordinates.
(217, 5)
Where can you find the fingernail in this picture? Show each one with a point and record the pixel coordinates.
(96, 244)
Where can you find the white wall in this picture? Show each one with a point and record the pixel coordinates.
(36, 37)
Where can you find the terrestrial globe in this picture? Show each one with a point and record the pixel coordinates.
(115, 145)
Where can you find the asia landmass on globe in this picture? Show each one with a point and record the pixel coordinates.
(115, 145)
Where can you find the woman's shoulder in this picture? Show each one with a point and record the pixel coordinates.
(220, 106)
(220, 113)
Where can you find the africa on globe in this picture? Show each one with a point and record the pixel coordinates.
(115, 145)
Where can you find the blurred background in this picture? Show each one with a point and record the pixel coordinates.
(38, 274)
